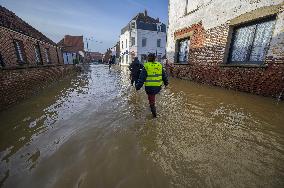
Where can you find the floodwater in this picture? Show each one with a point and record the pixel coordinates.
(94, 130)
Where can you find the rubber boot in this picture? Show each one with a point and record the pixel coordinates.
(153, 110)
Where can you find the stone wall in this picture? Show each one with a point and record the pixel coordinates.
(21, 83)
(210, 42)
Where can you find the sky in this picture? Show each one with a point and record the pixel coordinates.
(100, 21)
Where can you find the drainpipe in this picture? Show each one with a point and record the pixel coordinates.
(57, 55)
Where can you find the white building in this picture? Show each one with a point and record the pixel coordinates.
(141, 36)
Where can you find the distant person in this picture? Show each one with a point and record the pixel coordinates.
(2, 61)
(153, 76)
(113, 59)
(135, 70)
(109, 63)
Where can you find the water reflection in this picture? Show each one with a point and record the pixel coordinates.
(214, 139)
(94, 130)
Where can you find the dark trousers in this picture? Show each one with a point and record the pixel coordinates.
(152, 99)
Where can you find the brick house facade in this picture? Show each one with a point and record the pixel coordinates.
(233, 44)
(72, 49)
(24, 46)
(29, 61)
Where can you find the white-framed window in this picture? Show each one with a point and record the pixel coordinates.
(132, 41)
(250, 42)
(144, 42)
(37, 54)
(19, 46)
(183, 50)
(126, 43)
(47, 55)
(121, 44)
(159, 43)
(159, 28)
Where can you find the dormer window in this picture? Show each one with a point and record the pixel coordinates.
(133, 25)
(159, 28)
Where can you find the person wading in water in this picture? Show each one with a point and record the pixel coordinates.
(153, 76)
(135, 69)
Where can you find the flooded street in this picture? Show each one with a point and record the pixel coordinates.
(95, 130)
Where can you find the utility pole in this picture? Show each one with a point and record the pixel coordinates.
(87, 49)
(87, 45)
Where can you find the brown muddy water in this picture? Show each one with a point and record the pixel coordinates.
(94, 130)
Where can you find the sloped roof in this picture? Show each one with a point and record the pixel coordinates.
(145, 22)
(143, 17)
(72, 43)
(11, 21)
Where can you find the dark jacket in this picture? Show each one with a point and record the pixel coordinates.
(151, 90)
(135, 68)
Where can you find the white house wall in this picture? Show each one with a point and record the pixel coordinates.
(123, 49)
(151, 45)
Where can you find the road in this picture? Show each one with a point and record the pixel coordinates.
(95, 130)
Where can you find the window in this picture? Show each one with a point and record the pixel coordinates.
(143, 58)
(19, 47)
(132, 41)
(47, 55)
(126, 59)
(144, 42)
(126, 43)
(192, 6)
(37, 54)
(121, 44)
(133, 25)
(159, 58)
(159, 43)
(250, 42)
(159, 28)
(183, 50)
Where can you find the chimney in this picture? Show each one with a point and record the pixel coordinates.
(145, 13)
(158, 20)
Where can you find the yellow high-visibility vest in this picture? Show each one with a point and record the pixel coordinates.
(154, 74)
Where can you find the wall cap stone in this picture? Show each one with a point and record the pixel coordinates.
(257, 14)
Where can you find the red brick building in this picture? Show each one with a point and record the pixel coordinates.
(24, 46)
(72, 49)
(96, 56)
(233, 44)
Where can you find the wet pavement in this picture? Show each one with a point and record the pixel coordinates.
(94, 130)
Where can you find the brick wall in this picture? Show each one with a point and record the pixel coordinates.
(7, 49)
(207, 55)
(19, 84)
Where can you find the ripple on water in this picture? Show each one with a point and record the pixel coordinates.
(88, 129)
(204, 143)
